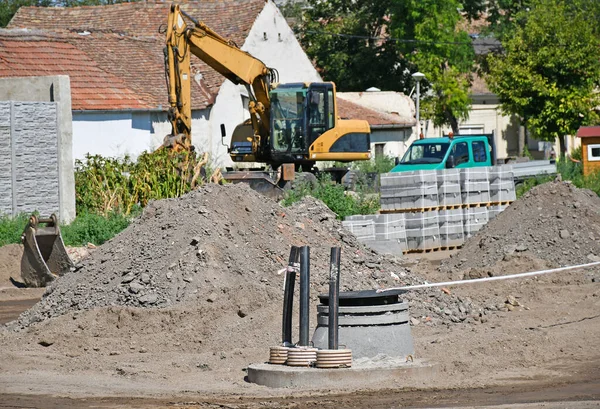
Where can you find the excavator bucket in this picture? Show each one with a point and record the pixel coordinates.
(45, 256)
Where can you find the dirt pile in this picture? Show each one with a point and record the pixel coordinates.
(223, 246)
(555, 223)
(10, 264)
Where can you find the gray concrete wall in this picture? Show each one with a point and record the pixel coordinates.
(41, 159)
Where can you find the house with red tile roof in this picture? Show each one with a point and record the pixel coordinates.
(114, 57)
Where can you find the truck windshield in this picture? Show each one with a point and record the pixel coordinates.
(425, 153)
(287, 114)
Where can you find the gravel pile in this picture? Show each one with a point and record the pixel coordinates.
(222, 246)
(555, 222)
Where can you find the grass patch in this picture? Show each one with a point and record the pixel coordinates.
(94, 228)
(11, 228)
(341, 202)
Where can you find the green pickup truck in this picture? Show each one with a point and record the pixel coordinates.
(465, 151)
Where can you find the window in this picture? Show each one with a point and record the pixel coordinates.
(379, 150)
(330, 108)
(425, 153)
(479, 154)
(593, 152)
(460, 151)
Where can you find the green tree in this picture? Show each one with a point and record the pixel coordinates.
(381, 42)
(349, 43)
(8, 8)
(440, 50)
(550, 68)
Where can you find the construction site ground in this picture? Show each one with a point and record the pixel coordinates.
(207, 303)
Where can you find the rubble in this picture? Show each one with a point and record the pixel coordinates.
(554, 222)
(178, 253)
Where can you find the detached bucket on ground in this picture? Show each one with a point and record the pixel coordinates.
(44, 254)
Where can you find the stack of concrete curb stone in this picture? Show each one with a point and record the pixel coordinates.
(422, 230)
(502, 184)
(451, 227)
(475, 185)
(429, 209)
(448, 181)
(409, 190)
(384, 232)
(474, 218)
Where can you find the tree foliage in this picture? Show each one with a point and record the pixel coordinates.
(381, 43)
(440, 50)
(550, 67)
(347, 40)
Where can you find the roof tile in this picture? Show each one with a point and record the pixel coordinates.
(122, 42)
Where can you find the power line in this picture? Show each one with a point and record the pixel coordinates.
(402, 40)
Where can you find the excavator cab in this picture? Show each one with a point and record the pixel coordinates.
(305, 126)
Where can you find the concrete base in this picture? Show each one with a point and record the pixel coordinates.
(363, 374)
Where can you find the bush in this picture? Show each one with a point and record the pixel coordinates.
(378, 164)
(340, 201)
(11, 228)
(107, 185)
(93, 228)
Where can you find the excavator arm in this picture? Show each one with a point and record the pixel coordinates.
(225, 57)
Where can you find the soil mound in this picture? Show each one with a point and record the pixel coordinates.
(556, 223)
(223, 247)
(10, 264)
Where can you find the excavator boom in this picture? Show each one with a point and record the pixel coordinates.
(222, 55)
(290, 124)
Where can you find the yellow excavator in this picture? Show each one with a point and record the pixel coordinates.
(291, 126)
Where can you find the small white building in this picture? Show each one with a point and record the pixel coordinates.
(114, 57)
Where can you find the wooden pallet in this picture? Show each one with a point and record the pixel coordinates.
(502, 203)
(451, 247)
(432, 250)
(412, 210)
(475, 205)
(450, 207)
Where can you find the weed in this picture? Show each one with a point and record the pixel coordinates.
(93, 228)
(343, 203)
(11, 228)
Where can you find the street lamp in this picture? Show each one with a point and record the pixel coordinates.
(418, 76)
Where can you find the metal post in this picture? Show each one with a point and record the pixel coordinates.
(418, 76)
(304, 294)
(288, 297)
(418, 109)
(334, 293)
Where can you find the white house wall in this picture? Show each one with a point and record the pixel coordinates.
(396, 141)
(281, 50)
(111, 134)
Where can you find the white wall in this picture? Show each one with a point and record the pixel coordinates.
(396, 140)
(112, 134)
(116, 134)
(281, 50)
